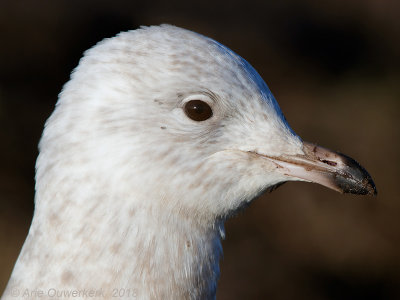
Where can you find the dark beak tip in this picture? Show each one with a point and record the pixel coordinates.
(373, 191)
(356, 179)
(368, 184)
(359, 185)
(358, 188)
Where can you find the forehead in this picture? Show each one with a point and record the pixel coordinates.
(166, 59)
(176, 52)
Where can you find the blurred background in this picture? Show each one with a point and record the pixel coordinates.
(332, 65)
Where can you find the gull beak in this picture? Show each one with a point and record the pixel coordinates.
(328, 168)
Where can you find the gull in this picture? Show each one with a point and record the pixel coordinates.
(159, 136)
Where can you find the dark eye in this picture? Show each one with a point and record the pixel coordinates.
(198, 110)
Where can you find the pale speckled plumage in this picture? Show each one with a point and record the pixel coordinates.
(130, 192)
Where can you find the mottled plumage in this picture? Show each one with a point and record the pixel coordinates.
(131, 193)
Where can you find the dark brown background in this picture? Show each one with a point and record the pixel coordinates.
(334, 68)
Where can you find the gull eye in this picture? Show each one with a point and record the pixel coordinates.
(198, 110)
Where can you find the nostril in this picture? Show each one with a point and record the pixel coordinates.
(329, 162)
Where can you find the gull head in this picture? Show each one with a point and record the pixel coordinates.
(163, 118)
(159, 136)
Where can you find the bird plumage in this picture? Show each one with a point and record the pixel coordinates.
(133, 194)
